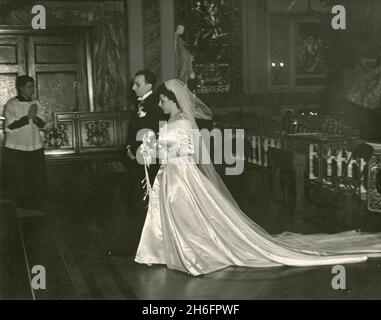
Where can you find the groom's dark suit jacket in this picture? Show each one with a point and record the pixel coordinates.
(124, 231)
(153, 115)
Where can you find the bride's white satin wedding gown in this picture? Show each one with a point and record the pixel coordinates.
(191, 226)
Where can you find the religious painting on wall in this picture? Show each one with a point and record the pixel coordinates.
(362, 83)
(310, 53)
(212, 35)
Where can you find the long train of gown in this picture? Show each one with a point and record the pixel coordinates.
(191, 226)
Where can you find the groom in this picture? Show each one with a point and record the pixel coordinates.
(148, 115)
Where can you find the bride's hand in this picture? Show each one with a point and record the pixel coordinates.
(130, 154)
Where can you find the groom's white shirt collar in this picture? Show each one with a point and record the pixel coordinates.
(145, 96)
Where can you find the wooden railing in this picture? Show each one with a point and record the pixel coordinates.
(334, 165)
(328, 162)
(260, 147)
(339, 170)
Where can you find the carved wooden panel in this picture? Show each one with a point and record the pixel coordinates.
(80, 134)
(97, 133)
(374, 184)
(60, 138)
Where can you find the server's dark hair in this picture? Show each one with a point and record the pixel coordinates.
(168, 93)
(22, 81)
(149, 76)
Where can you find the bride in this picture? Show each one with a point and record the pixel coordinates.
(193, 223)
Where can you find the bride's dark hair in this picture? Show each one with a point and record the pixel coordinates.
(168, 93)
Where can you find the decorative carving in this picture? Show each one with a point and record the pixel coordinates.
(374, 184)
(97, 133)
(57, 137)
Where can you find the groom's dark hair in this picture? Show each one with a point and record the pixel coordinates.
(149, 76)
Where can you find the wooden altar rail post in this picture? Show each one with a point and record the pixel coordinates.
(373, 190)
(288, 162)
(299, 163)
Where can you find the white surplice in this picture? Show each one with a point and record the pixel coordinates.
(191, 226)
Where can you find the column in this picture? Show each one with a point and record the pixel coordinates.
(167, 18)
(135, 36)
(255, 45)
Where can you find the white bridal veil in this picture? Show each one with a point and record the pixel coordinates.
(192, 108)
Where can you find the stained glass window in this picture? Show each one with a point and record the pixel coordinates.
(213, 36)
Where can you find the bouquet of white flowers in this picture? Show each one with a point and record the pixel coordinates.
(148, 151)
(148, 147)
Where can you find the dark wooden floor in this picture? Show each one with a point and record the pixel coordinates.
(69, 240)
